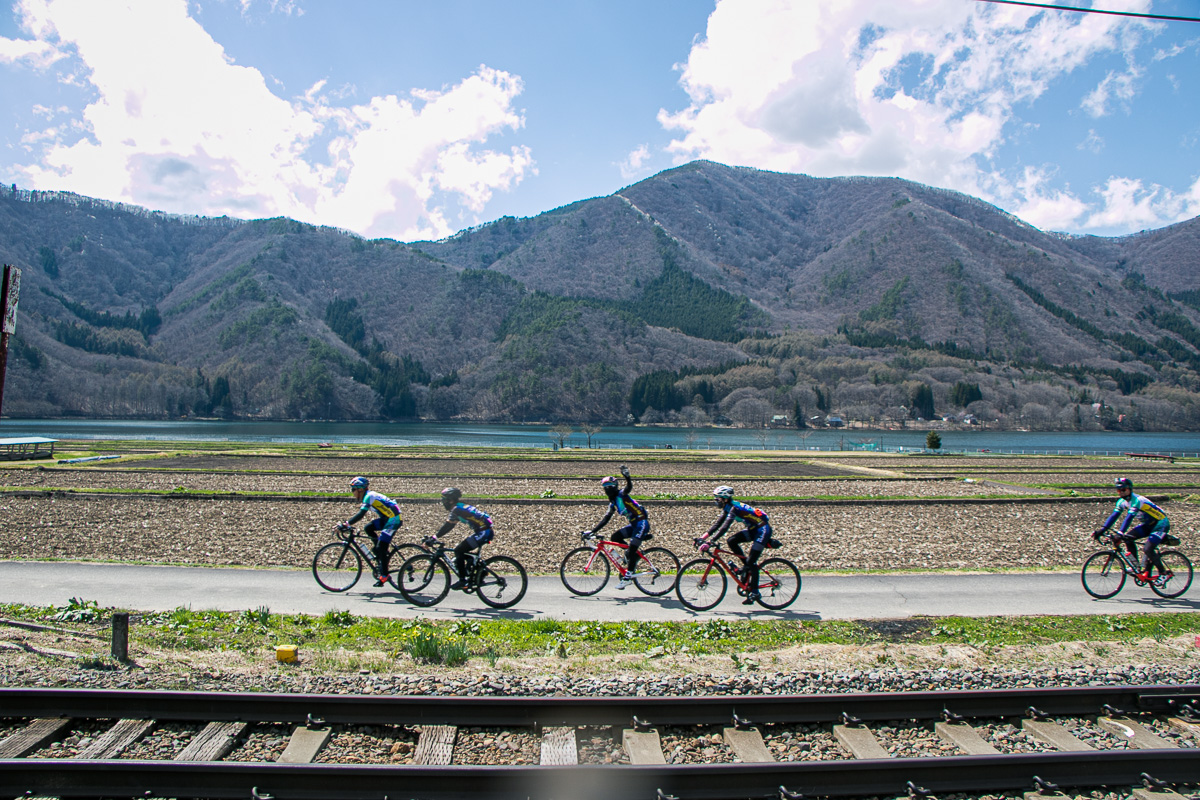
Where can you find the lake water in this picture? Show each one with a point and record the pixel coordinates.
(538, 436)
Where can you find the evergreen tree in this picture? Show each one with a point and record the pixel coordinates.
(922, 402)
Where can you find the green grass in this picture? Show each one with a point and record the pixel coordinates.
(454, 643)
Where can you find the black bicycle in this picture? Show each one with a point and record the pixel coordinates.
(500, 581)
(1104, 572)
(338, 565)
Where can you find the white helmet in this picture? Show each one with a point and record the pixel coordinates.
(723, 492)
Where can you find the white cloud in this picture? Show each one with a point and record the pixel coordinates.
(631, 167)
(32, 52)
(928, 90)
(1130, 205)
(1046, 208)
(1093, 143)
(1121, 87)
(176, 125)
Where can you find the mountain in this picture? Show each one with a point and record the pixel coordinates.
(703, 292)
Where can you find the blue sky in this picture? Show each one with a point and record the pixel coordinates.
(413, 120)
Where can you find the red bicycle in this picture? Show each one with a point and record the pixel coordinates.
(703, 581)
(585, 570)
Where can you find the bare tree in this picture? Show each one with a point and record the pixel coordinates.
(589, 430)
(762, 434)
(560, 433)
(751, 412)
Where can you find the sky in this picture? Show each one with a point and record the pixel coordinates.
(412, 120)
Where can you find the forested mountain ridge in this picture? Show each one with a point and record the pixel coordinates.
(703, 292)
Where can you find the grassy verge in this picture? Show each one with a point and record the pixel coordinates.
(457, 642)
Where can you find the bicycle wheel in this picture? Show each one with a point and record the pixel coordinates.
(701, 584)
(1180, 570)
(657, 569)
(337, 566)
(424, 580)
(778, 583)
(398, 556)
(582, 574)
(501, 582)
(1103, 574)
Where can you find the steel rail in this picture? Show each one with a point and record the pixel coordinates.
(878, 777)
(536, 712)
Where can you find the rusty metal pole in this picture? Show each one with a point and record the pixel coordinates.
(10, 289)
(10, 283)
(3, 367)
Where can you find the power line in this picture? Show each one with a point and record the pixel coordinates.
(1094, 11)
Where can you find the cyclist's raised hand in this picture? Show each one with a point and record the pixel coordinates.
(625, 470)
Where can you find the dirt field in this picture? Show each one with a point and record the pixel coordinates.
(898, 524)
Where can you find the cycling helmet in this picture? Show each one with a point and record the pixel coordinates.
(1123, 483)
(723, 493)
(450, 496)
(609, 482)
(359, 483)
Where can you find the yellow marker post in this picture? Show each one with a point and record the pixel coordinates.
(286, 653)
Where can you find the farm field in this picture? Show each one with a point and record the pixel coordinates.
(272, 507)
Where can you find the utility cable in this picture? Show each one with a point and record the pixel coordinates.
(1094, 11)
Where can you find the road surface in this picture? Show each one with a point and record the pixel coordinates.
(822, 597)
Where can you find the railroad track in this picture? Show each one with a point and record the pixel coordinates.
(32, 719)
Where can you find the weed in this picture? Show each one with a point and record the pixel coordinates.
(428, 648)
(744, 663)
(339, 619)
(716, 630)
(78, 610)
(467, 627)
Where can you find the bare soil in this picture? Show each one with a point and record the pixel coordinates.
(875, 533)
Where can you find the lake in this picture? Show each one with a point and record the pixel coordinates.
(538, 436)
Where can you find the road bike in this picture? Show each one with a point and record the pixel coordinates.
(500, 581)
(1104, 571)
(703, 581)
(585, 570)
(338, 565)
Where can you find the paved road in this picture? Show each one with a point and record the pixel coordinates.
(822, 597)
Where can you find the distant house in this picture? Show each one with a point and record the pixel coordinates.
(780, 421)
(834, 421)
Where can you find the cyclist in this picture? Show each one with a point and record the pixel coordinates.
(481, 531)
(757, 532)
(382, 528)
(638, 529)
(1152, 526)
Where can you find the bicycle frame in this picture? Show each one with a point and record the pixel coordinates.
(473, 562)
(602, 548)
(1131, 569)
(715, 558)
(352, 538)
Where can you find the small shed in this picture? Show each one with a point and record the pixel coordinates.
(26, 447)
